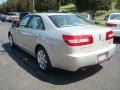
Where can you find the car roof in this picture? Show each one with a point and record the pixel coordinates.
(50, 14)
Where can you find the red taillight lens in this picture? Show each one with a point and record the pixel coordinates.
(111, 25)
(78, 40)
(109, 35)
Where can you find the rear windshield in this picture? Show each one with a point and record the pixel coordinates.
(68, 20)
(84, 15)
(115, 17)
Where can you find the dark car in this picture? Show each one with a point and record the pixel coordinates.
(2, 18)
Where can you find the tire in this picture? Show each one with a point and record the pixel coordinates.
(11, 41)
(43, 60)
(9, 20)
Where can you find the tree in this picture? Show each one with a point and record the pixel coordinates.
(19, 5)
(114, 1)
(38, 5)
(117, 5)
(65, 2)
(93, 5)
(58, 4)
(46, 5)
(27, 5)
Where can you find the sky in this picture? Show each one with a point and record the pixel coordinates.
(1, 1)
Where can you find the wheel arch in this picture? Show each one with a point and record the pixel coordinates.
(48, 54)
(38, 46)
(9, 33)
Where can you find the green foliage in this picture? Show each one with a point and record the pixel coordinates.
(92, 5)
(68, 8)
(27, 5)
(17, 5)
(114, 1)
(117, 5)
(38, 5)
(45, 5)
(65, 2)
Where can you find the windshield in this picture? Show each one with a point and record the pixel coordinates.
(115, 17)
(68, 20)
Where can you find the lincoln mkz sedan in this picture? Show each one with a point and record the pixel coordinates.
(62, 40)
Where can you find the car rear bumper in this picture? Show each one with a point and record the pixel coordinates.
(73, 62)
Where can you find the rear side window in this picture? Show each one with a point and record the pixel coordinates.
(67, 20)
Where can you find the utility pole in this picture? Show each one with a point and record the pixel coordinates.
(13, 8)
(33, 2)
(58, 4)
(3, 6)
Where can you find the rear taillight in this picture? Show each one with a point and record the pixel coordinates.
(78, 40)
(109, 35)
(111, 25)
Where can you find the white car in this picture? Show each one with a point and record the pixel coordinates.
(113, 21)
(12, 16)
(62, 40)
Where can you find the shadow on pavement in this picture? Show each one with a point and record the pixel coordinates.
(116, 40)
(56, 77)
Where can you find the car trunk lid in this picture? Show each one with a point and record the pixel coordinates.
(98, 34)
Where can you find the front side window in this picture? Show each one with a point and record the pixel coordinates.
(24, 21)
(68, 20)
(36, 23)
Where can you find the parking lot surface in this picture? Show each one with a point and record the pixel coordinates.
(19, 71)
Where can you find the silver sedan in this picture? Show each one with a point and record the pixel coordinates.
(62, 40)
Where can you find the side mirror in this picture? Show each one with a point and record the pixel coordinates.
(15, 24)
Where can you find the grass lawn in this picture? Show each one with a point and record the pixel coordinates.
(68, 8)
(100, 22)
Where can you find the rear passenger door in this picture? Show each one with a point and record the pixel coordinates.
(34, 29)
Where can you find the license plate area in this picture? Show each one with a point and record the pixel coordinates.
(102, 57)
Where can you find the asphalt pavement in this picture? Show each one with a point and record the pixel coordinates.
(19, 71)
